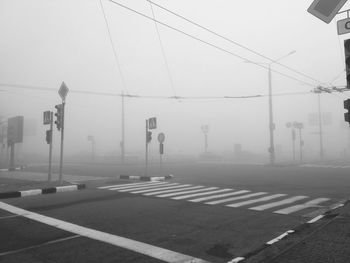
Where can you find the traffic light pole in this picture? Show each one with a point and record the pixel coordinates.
(320, 127)
(122, 144)
(50, 146)
(271, 124)
(62, 139)
(146, 153)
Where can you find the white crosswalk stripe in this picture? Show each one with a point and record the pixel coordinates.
(175, 190)
(292, 209)
(140, 188)
(261, 199)
(125, 185)
(167, 187)
(188, 192)
(234, 198)
(136, 186)
(226, 197)
(219, 196)
(200, 194)
(278, 203)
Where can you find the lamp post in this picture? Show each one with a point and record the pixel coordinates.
(271, 148)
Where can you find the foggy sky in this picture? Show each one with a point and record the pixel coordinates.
(46, 42)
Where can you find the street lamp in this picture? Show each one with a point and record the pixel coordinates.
(271, 123)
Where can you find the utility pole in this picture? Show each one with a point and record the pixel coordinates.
(320, 126)
(122, 143)
(205, 130)
(146, 153)
(50, 146)
(271, 124)
(299, 126)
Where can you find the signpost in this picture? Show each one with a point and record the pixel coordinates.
(161, 138)
(151, 123)
(48, 119)
(326, 10)
(63, 91)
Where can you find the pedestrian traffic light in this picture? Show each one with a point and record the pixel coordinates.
(347, 107)
(148, 136)
(347, 61)
(58, 115)
(48, 136)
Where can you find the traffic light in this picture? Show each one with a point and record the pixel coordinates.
(148, 136)
(48, 136)
(347, 61)
(347, 107)
(58, 115)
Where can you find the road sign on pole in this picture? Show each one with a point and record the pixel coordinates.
(63, 91)
(152, 123)
(47, 116)
(326, 10)
(161, 137)
(343, 26)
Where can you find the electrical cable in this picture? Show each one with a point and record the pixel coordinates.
(210, 44)
(163, 53)
(233, 42)
(114, 49)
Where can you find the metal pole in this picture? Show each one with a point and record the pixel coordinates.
(293, 138)
(300, 146)
(12, 157)
(50, 146)
(206, 142)
(62, 138)
(123, 131)
(271, 124)
(160, 164)
(146, 153)
(320, 127)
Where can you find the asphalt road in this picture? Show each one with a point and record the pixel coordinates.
(216, 233)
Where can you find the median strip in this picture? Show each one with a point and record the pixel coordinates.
(50, 190)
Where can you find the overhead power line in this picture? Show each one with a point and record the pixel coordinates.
(233, 41)
(114, 49)
(211, 44)
(86, 92)
(163, 53)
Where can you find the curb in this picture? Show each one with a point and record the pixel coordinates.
(50, 190)
(296, 230)
(19, 168)
(146, 178)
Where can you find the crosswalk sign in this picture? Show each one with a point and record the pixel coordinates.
(152, 123)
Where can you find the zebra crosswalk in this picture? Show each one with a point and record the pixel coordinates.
(279, 203)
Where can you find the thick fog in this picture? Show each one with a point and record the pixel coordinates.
(46, 42)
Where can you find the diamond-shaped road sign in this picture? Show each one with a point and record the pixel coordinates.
(63, 91)
(326, 10)
(152, 123)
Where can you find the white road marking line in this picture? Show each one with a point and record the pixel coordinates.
(10, 216)
(219, 196)
(279, 237)
(123, 185)
(200, 194)
(133, 245)
(235, 198)
(37, 246)
(261, 199)
(140, 190)
(143, 187)
(136, 187)
(236, 260)
(175, 190)
(31, 192)
(188, 192)
(278, 203)
(295, 208)
(162, 188)
(315, 219)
